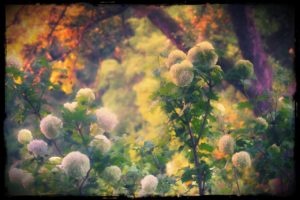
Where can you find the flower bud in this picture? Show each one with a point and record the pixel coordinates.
(85, 95)
(24, 136)
(71, 106)
(55, 160)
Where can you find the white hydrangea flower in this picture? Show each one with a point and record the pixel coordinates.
(106, 119)
(102, 143)
(85, 95)
(55, 160)
(38, 147)
(241, 160)
(262, 122)
(182, 74)
(76, 164)
(203, 54)
(71, 106)
(226, 144)
(175, 57)
(27, 180)
(15, 175)
(149, 184)
(112, 173)
(51, 126)
(24, 136)
(20, 176)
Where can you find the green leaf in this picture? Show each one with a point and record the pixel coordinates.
(207, 147)
(245, 104)
(187, 175)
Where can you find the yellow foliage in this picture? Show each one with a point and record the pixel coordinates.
(177, 163)
(150, 112)
(229, 99)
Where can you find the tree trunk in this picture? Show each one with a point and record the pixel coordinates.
(251, 46)
(249, 40)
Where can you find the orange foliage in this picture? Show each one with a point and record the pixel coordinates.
(218, 155)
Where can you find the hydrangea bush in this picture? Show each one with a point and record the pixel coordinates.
(74, 149)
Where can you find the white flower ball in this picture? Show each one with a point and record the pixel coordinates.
(85, 95)
(149, 184)
(106, 119)
(226, 144)
(71, 106)
(51, 126)
(38, 147)
(182, 74)
(21, 177)
(112, 173)
(27, 180)
(76, 164)
(175, 57)
(24, 136)
(241, 160)
(261, 121)
(102, 143)
(203, 54)
(15, 175)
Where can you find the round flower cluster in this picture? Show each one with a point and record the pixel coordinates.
(274, 148)
(112, 173)
(149, 184)
(175, 57)
(102, 143)
(24, 136)
(262, 122)
(203, 54)
(241, 160)
(71, 106)
(76, 164)
(85, 95)
(106, 119)
(51, 126)
(182, 73)
(244, 68)
(226, 144)
(55, 160)
(38, 147)
(20, 176)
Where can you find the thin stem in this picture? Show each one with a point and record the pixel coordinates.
(196, 161)
(205, 115)
(58, 150)
(237, 182)
(36, 112)
(83, 181)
